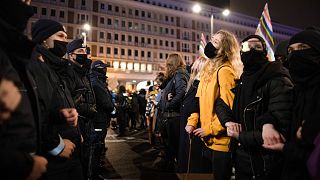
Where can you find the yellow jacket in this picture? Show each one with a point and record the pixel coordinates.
(208, 92)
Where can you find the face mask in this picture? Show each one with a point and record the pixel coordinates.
(210, 51)
(81, 58)
(59, 48)
(253, 59)
(303, 63)
(101, 70)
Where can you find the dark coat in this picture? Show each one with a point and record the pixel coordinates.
(177, 87)
(103, 97)
(271, 102)
(18, 135)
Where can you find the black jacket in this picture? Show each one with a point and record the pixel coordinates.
(177, 87)
(60, 97)
(269, 102)
(81, 91)
(103, 97)
(190, 103)
(19, 134)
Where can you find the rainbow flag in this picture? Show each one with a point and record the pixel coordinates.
(264, 30)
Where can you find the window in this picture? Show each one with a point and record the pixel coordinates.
(123, 24)
(172, 44)
(154, 28)
(149, 28)
(116, 23)
(116, 37)
(101, 20)
(115, 51)
(167, 43)
(53, 12)
(44, 11)
(149, 15)
(130, 11)
(160, 56)
(83, 2)
(143, 14)
(61, 14)
(101, 6)
(130, 38)
(130, 25)
(161, 42)
(101, 50)
(35, 9)
(62, 1)
(101, 35)
(136, 53)
(109, 36)
(167, 18)
(172, 19)
(149, 41)
(142, 53)
(167, 31)
(109, 21)
(129, 52)
(136, 39)
(108, 50)
(172, 31)
(136, 26)
(117, 9)
(137, 12)
(109, 7)
(142, 40)
(149, 54)
(122, 52)
(123, 10)
(123, 37)
(142, 27)
(154, 42)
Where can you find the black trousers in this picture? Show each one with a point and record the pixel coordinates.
(172, 138)
(221, 163)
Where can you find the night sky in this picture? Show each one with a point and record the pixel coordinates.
(296, 13)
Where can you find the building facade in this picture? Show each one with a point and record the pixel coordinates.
(136, 36)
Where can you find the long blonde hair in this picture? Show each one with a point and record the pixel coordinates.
(173, 63)
(228, 51)
(195, 71)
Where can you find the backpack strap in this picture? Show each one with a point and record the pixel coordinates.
(218, 75)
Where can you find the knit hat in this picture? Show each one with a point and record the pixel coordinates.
(45, 28)
(75, 44)
(310, 36)
(260, 39)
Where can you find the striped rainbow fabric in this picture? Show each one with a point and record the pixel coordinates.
(264, 30)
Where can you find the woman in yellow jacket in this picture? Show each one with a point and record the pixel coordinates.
(217, 78)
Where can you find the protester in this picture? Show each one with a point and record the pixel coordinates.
(217, 79)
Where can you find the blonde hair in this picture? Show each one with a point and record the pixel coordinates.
(195, 71)
(229, 51)
(173, 63)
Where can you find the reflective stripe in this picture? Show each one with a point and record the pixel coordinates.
(97, 129)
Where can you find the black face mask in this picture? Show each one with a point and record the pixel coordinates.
(18, 17)
(59, 48)
(304, 64)
(253, 60)
(81, 58)
(210, 51)
(101, 70)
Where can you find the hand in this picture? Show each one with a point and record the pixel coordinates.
(270, 135)
(10, 98)
(70, 115)
(189, 129)
(199, 132)
(68, 148)
(39, 167)
(277, 146)
(234, 126)
(170, 96)
(233, 132)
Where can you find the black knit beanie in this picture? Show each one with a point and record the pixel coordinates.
(45, 28)
(264, 46)
(282, 49)
(310, 36)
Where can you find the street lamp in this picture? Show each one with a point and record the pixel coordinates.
(197, 9)
(87, 28)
